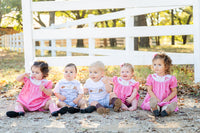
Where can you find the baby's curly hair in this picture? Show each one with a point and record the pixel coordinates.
(167, 61)
(44, 67)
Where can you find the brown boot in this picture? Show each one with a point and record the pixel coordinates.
(117, 103)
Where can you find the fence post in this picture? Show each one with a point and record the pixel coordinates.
(53, 47)
(21, 41)
(91, 41)
(29, 46)
(17, 42)
(129, 23)
(42, 47)
(69, 46)
(68, 43)
(10, 43)
(196, 20)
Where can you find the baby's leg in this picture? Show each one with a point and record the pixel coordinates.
(116, 102)
(168, 109)
(154, 106)
(82, 104)
(134, 105)
(19, 111)
(51, 105)
(62, 104)
(124, 107)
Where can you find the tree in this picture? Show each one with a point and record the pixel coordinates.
(184, 16)
(75, 15)
(172, 20)
(141, 41)
(109, 23)
(8, 6)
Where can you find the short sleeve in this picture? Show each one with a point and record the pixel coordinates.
(115, 80)
(173, 82)
(149, 80)
(48, 85)
(136, 85)
(80, 88)
(26, 79)
(86, 84)
(56, 89)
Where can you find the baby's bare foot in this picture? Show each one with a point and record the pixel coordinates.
(132, 108)
(124, 107)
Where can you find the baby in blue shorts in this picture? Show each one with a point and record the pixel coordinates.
(101, 97)
(69, 91)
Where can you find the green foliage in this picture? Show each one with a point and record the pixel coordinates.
(11, 13)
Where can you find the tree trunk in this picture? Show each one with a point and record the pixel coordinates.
(157, 40)
(80, 41)
(142, 41)
(172, 20)
(113, 41)
(105, 44)
(184, 37)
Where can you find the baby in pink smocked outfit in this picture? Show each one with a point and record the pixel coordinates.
(126, 88)
(36, 92)
(161, 98)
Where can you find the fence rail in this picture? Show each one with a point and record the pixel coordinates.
(68, 33)
(14, 42)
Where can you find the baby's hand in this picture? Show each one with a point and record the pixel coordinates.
(42, 87)
(85, 90)
(158, 100)
(27, 74)
(166, 100)
(75, 101)
(62, 98)
(105, 80)
(129, 100)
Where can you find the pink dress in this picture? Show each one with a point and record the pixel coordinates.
(124, 89)
(31, 96)
(161, 87)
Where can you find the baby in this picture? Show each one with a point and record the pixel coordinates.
(101, 96)
(127, 88)
(69, 91)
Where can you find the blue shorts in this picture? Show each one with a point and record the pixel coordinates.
(104, 101)
(70, 103)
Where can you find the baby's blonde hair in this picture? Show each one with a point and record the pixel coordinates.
(99, 65)
(128, 65)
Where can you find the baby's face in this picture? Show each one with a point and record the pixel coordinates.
(159, 67)
(36, 73)
(70, 73)
(95, 74)
(126, 73)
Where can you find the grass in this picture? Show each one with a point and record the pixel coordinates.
(153, 48)
(171, 48)
(12, 64)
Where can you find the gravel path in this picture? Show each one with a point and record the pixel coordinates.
(186, 120)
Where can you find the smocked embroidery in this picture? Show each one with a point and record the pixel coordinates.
(126, 83)
(161, 78)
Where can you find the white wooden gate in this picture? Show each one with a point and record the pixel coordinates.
(112, 57)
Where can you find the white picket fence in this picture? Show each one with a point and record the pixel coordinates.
(111, 57)
(14, 42)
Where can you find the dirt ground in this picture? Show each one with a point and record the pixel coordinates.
(187, 119)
